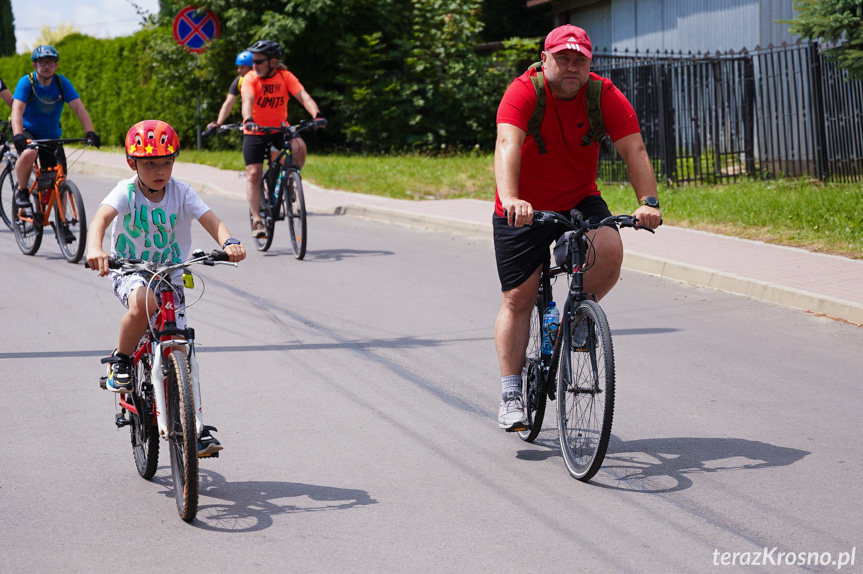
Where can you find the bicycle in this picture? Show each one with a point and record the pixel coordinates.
(281, 188)
(166, 397)
(8, 183)
(51, 190)
(582, 350)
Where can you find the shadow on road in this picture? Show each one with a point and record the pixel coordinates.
(663, 465)
(327, 255)
(251, 505)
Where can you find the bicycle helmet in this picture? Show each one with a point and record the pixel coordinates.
(244, 59)
(268, 48)
(152, 139)
(44, 51)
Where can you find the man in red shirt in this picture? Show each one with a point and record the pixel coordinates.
(265, 94)
(561, 179)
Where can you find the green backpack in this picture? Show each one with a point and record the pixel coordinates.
(596, 133)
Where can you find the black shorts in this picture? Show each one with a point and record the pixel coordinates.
(49, 155)
(256, 147)
(521, 250)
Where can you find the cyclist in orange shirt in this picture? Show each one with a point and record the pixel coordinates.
(265, 94)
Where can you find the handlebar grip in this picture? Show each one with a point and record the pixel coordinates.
(113, 263)
(208, 133)
(218, 255)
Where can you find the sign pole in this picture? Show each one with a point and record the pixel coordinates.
(198, 113)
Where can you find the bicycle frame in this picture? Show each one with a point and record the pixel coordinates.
(161, 339)
(47, 197)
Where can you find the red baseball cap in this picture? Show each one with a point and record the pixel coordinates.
(568, 37)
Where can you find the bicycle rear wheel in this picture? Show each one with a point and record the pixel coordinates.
(182, 439)
(532, 385)
(296, 213)
(27, 225)
(145, 435)
(585, 390)
(8, 185)
(70, 222)
(267, 216)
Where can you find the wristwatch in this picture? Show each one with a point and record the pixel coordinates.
(230, 241)
(650, 201)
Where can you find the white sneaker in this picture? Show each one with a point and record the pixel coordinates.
(512, 415)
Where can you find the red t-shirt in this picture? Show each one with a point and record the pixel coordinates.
(566, 173)
(271, 96)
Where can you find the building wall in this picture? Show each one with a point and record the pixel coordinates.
(679, 25)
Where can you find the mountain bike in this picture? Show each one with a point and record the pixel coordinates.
(51, 191)
(8, 181)
(281, 187)
(582, 352)
(166, 397)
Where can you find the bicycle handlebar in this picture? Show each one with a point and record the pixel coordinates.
(198, 256)
(34, 144)
(291, 130)
(576, 221)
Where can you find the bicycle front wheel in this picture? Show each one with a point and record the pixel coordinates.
(8, 185)
(585, 389)
(70, 222)
(296, 213)
(182, 439)
(27, 226)
(532, 389)
(145, 435)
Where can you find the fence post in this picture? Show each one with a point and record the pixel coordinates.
(667, 159)
(817, 118)
(749, 115)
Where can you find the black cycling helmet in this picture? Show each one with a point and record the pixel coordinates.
(268, 48)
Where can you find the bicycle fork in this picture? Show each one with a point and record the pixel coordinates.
(158, 380)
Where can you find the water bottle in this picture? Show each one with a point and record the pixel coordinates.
(550, 323)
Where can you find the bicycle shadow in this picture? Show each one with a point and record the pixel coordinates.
(330, 255)
(663, 465)
(250, 506)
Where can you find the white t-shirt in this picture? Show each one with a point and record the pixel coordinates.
(160, 232)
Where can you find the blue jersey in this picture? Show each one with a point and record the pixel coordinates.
(42, 114)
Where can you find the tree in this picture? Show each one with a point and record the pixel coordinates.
(838, 23)
(7, 29)
(50, 36)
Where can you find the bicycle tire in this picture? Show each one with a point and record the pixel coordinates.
(296, 212)
(267, 217)
(532, 387)
(183, 438)
(144, 432)
(585, 392)
(8, 186)
(27, 226)
(70, 218)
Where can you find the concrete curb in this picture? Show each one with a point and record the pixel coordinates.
(633, 261)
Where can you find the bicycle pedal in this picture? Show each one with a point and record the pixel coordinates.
(103, 382)
(518, 429)
(213, 455)
(121, 421)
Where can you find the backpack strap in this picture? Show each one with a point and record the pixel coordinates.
(536, 119)
(596, 133)
(59, 79)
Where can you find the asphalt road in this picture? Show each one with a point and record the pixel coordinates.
(356, 395)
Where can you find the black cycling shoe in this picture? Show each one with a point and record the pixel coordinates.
(208, 445)
(22, 198)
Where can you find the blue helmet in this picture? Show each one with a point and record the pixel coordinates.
(44, 51)
(244, 59)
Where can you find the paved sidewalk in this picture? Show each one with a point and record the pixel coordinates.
(818, 283)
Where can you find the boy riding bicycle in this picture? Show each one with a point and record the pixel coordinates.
(156, 218)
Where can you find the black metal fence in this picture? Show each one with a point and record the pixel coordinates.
(769, 113)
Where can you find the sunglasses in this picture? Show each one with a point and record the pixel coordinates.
(259, 62)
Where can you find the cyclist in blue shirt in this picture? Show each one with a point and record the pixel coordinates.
(36, 107)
